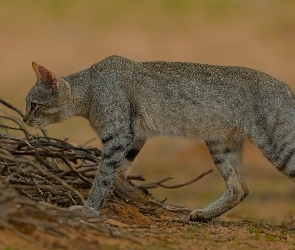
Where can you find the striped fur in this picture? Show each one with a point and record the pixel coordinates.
(127, 102)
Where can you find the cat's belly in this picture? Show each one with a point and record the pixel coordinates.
(182, 126)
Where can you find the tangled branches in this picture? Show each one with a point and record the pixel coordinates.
(43, 168)
(37, 168)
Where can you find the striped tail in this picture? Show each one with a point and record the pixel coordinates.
(277, 142)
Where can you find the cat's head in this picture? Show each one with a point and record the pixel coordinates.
(47, 101)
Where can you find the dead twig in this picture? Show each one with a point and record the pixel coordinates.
(168, 207)
(11, 107)
(159, 183)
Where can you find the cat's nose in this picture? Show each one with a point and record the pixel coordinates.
(25, 117)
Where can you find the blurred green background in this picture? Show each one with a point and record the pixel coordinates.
(70, 35)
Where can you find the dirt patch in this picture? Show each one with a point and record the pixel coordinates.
(133, 226)
(126, 214)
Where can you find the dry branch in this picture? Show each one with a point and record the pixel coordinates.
(5, 103)
(34, 165)
(160, 183)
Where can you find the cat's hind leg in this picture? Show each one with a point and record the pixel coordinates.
(227, 158)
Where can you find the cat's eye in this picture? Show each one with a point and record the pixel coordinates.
(33, 106)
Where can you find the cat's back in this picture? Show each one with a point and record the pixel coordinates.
(169, 75)
(207, 74)
(204, 80)
(183, 80)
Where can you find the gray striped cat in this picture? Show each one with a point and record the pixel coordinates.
(127, 102)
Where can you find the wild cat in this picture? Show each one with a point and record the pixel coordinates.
(127, 102)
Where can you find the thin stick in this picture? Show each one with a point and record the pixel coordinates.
(168, 207)
(11, 107)
(75, 171)
(159, 183)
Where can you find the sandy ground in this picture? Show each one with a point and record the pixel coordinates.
(129, 226)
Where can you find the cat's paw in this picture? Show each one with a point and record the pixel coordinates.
(201, 215)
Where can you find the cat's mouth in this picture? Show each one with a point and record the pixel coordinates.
(34, 124)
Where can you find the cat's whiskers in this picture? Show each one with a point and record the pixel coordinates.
(35, 130)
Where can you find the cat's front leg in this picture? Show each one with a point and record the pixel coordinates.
(115, 149)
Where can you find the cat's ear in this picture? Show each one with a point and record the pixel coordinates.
(46, 77)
